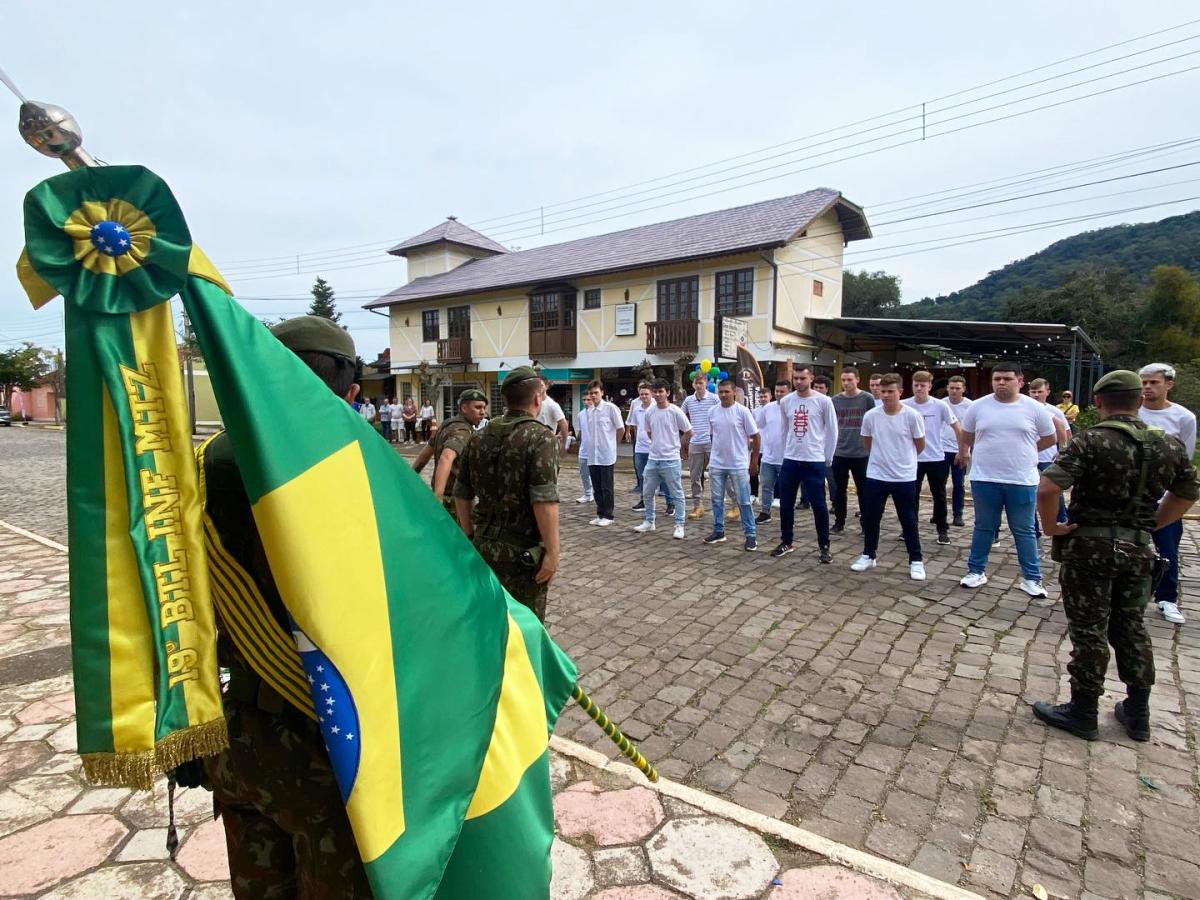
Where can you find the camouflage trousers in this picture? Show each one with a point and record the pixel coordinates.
(1105, 604)
(285, 823)
(515, 575)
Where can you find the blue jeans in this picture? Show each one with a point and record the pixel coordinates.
(904, 496)
(659, 472)
(792, 474)
(739, 480)
(1019, 503)
(585, 476)
(768, 475)
(1062, 500)
(1166, 541)
(639, 467)
(958, 476)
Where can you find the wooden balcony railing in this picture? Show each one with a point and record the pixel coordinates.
(454, 350)
(552, 342)
(673, 336)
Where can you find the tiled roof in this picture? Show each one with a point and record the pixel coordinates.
(771, 223)
(453, 231)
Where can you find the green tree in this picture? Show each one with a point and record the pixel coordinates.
(869, 294)
(322, 302)
(21, 368)
(1171, 314)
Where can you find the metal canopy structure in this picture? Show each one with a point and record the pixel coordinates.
(985, 343)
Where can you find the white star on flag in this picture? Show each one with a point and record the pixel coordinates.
(335, 729)
(349, 736)
(324, 686)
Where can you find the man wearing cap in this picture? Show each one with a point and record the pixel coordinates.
(449, 443)
(286, 828)
(1126, 481)
(512, 468)
(1179, 422)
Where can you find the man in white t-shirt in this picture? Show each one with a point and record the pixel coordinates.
(367, 411)
(635, 431)
(669, 431)
(894, 435)
(553, 417)
(1005, 430)
(396, 414)
(605, 428)
(932, 463)
(585, 476)
(771, 439)
(1179, 422)
(1039, 390)
(811, 437)
(734, 459)
(956, 389)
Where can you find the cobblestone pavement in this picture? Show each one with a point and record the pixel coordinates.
(33, 471)
(61, 838)
(887, 714)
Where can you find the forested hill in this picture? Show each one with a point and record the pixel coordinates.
(1136, 249)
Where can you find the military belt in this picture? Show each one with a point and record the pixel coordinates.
(249, 688)
(1138, 536)
(497, 534)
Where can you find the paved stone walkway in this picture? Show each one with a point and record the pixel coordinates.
(64, 839)
(889, 715)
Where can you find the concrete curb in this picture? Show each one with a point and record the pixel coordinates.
(860, 861)
(34, 537)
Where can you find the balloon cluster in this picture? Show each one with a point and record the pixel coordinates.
(715, 375)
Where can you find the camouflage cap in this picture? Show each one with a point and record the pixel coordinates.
(315, 334)
(1120, 380)
(470, 395)
(521, 373)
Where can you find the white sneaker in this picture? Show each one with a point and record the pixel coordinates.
(973, 580)
(584, 499)
(678, 533)
(916, 570)
(1170, 612)
(644, 527)
(1031, 587)
(595, 521)
(604, 523)
(863, 563)
(775, 503)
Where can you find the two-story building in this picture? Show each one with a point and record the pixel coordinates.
(604, 306)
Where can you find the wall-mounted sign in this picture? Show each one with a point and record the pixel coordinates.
(626, 319)
(729, 333)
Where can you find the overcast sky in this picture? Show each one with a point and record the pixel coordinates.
(298, 128)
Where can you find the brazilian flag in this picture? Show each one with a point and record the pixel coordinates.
(436, 691)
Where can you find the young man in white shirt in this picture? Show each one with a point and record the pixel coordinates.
(585, 476)
(697, 406)
(553, 417)
(811, 436)
(605, 427)
(894, 435)
(1005, 430)
(636, 431)
(956, 389)
(735, 444)
(932, 462)
(669, 431)
(1039, 390)
(771, 439)
(1179, 422)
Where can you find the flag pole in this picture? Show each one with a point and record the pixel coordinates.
(623, 743)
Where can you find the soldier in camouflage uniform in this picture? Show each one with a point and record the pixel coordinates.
(286, 827)
(512, 467)
(448, 445)
(1127, 480)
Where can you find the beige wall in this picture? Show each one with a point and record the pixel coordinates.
(437, 259)
(817, 256)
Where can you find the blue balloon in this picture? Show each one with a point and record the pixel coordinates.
(712, 387)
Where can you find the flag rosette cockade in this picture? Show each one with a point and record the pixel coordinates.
(444, 689)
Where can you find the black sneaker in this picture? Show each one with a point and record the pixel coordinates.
(762, 517)
(958, 522)
(826, 556)
(716, 537)
(639, 506)
(751, 545)
(803, 504)
(932, 520)
(943, 536)
(670, 509)
(782, 550)
(838, 528)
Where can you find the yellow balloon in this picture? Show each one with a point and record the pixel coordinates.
(705, 365)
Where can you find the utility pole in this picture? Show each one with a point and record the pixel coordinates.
(191, 378)
(58, 388)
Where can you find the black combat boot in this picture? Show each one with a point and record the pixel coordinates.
(1078, 716)
(1134, 713)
